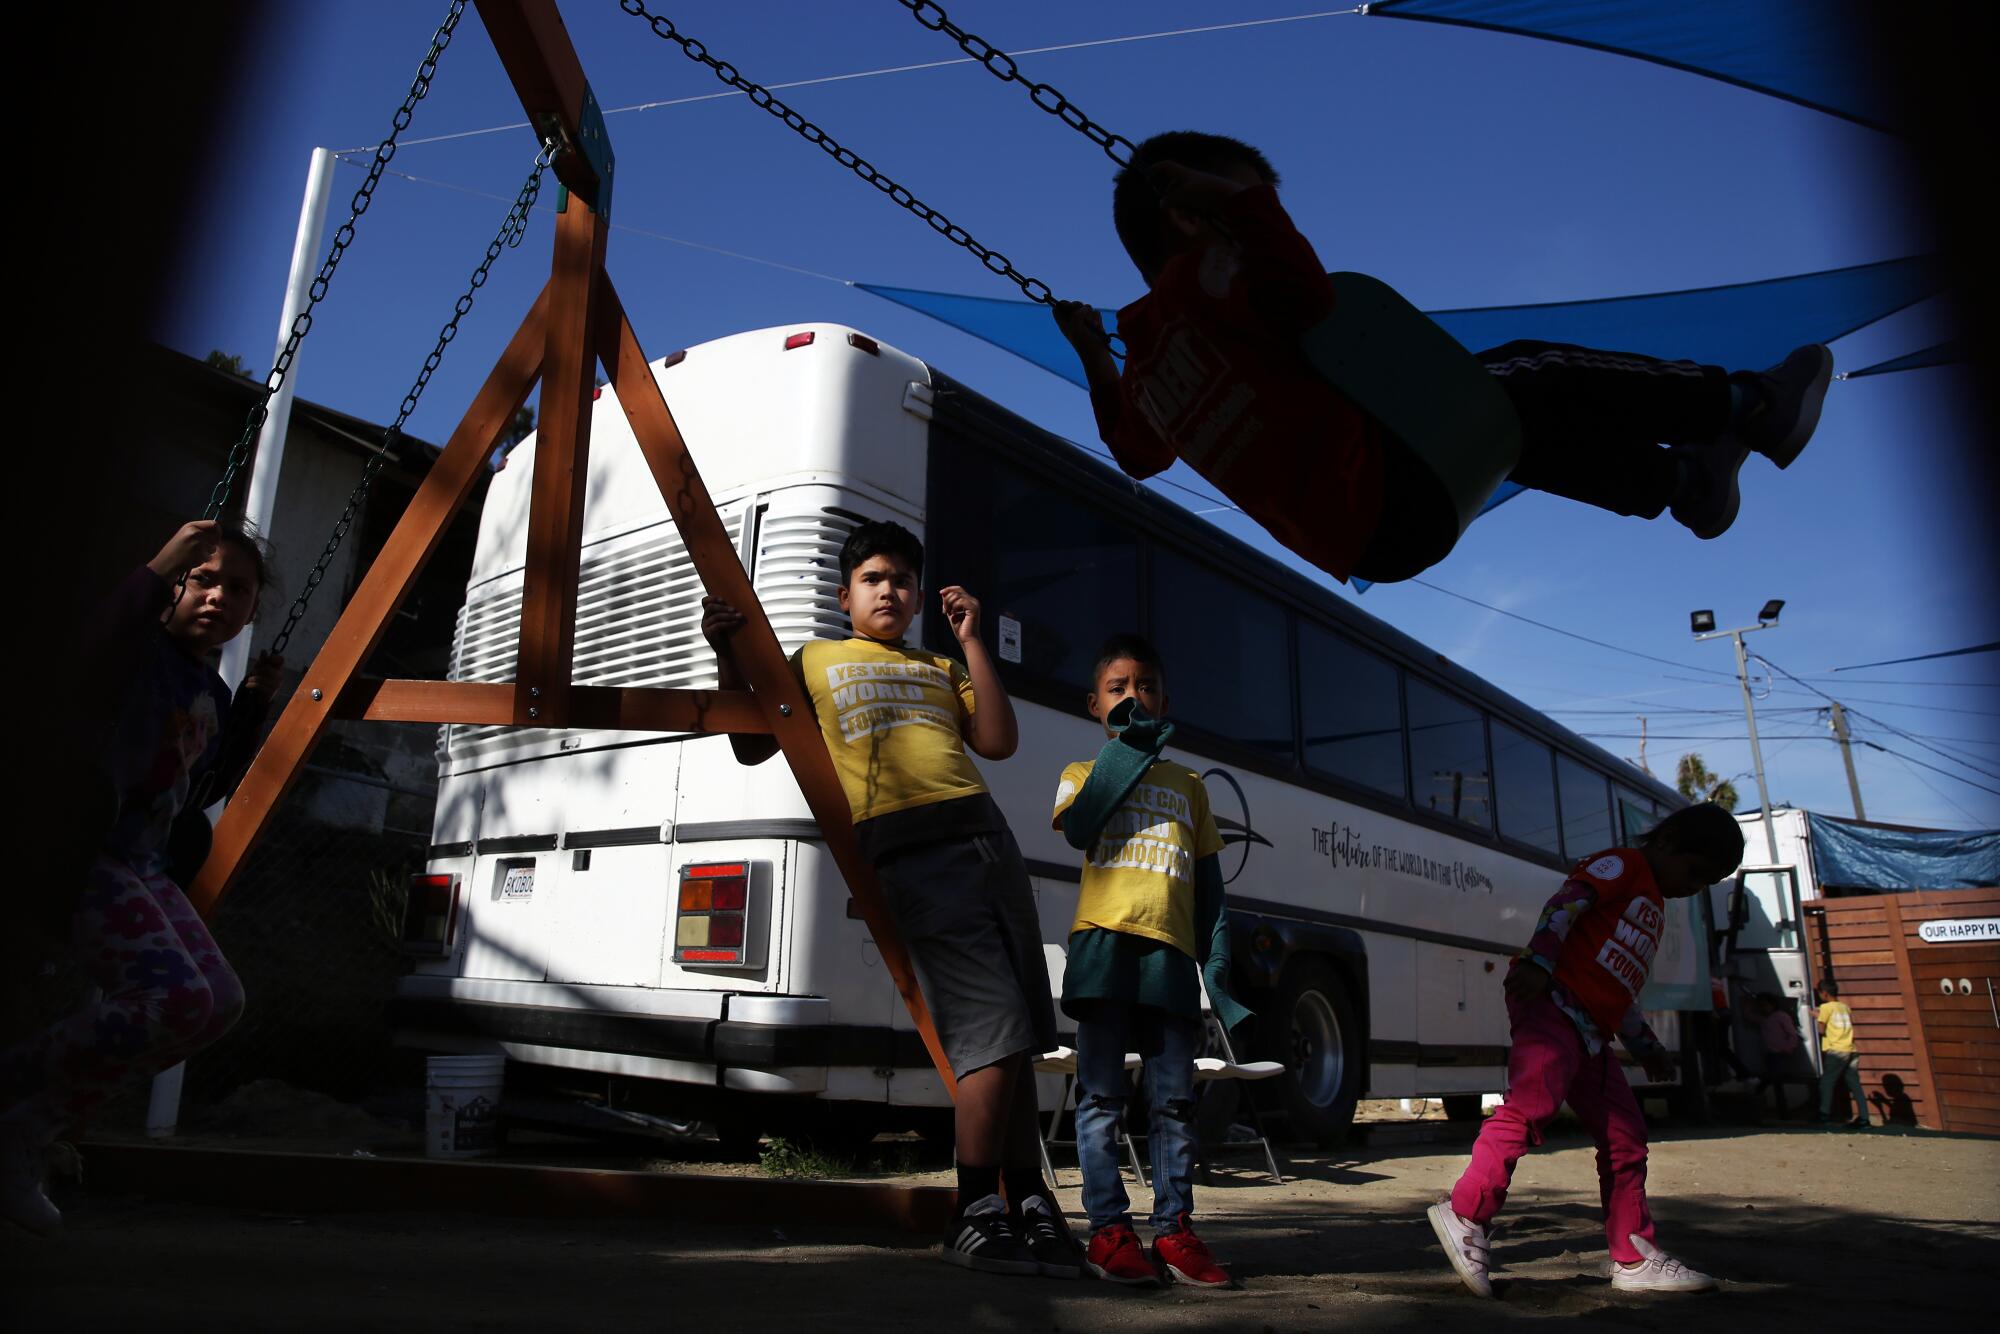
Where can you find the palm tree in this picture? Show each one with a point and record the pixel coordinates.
(1696, 783)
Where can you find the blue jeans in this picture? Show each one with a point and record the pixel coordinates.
(1168, 1044)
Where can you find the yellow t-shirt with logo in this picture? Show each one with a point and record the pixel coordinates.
(894, 719)
(1139, 877)
(1839, 1022)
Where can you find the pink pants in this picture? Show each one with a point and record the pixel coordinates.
(1547, 1067)
(167, 993)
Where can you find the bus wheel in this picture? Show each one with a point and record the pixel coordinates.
(1461, 1107)
(1319, 1036)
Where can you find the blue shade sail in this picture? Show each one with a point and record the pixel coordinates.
(1740, 325)
(1806, 51)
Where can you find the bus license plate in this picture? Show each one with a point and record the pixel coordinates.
(519, 883)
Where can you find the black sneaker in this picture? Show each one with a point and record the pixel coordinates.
(1786, 412)
(1707, 498)
(981, 1238)
(1049, 1239)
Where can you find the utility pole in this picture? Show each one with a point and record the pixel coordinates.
(1703, 623)
(1643, 766)
(1847, 757)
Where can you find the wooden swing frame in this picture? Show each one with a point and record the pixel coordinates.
(576, 323)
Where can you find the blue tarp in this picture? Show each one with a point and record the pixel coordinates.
(1854, 856)
(1805, 51)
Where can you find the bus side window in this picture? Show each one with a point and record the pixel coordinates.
(1448, 756)
(1228, 655)
(1524, 779)
(1352, 711)
(1586, 808)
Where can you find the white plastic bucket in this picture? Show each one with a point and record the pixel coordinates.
(462, 1105)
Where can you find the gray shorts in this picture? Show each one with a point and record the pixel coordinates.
(967, 914)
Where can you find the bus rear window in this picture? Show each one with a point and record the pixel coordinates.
(1524, 780)
(1448, 757)
(1228, 656)
(1586, 809)
(1351, 710)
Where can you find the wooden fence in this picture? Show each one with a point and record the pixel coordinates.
(1926, 1012)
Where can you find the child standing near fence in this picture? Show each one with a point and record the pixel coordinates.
(1576, 986)
(171, 733)
(1150, 931)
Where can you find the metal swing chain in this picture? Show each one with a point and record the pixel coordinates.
(218, 498)
(1033, 288)
(1004, 68)
(512, 230)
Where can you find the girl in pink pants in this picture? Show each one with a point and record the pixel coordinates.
(1575, 986)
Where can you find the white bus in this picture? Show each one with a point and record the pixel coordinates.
(643, 913)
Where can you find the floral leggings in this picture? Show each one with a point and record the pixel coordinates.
(167, 993)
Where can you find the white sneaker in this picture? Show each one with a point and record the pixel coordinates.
(1660, 1272)
(22, 1200)
(1465, 1245)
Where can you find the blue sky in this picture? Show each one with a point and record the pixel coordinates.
(1465, 168)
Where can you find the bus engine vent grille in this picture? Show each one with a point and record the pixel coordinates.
(638, 623)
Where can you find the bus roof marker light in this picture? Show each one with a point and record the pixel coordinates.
(801, 339)
(865, 343)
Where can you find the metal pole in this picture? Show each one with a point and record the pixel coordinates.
(1847, 757)
(261, 497)
(260, 501)
(1756, 752)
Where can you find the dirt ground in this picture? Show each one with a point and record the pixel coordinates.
(1828, 1230)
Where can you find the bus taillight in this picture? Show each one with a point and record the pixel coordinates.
(713, 915)
(430, 914)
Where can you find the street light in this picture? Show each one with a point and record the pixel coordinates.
(1703, 625)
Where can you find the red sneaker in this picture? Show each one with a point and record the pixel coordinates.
(1116, 1256)
(1186, 1259)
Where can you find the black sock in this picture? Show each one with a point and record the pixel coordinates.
(1022, 1184)
(976, 1183)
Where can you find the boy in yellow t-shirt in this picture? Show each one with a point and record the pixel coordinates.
(898, 721)
(1836, 1056)
(1150, 928)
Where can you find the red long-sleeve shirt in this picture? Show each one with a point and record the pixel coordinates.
(1214, 375)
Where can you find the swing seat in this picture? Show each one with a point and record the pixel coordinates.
(1415, 379)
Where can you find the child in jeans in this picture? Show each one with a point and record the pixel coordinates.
(1574, 987)
(1215, 375)
(172, 736)
(1150, 929)
(898, 721)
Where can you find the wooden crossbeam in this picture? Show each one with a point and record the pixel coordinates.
(601, 708)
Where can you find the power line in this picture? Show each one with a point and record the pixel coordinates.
(1987, 773)
(1907, 759)
(893, 69)
(1570, 634)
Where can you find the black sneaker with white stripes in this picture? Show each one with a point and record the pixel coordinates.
(981, 1238)
(1049, 1239)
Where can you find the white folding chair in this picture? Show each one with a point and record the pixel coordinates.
(1226, 1066)
(1062, 1061)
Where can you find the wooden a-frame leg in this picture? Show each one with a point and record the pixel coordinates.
(547, 637)
(361, 626)
(784, 703)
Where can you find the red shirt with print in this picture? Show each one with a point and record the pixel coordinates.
(1609, 952)
(1214, 375)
